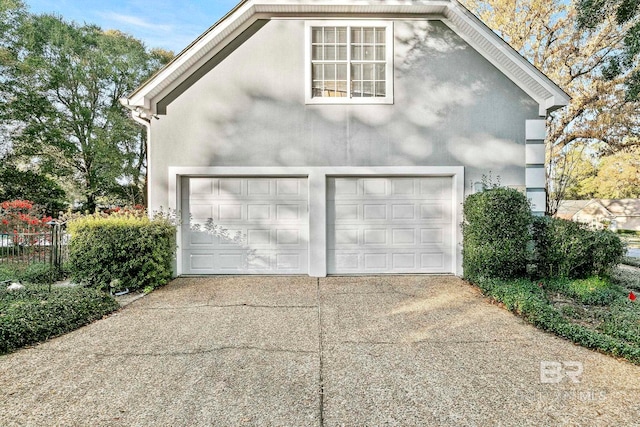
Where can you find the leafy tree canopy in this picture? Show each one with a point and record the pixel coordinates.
(600, 119)
(62, 82)
(28, 185)
(593, 13)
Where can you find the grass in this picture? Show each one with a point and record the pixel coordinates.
(595, 312)
(36, 314)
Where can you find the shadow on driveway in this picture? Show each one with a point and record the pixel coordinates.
(301, 351)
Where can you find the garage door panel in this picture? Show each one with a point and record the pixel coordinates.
(246, 225)
(431, 235)
(432, 260)
(403, 236)
(246, 262)
(374, 236)
(259, 212)
(203, 186)
(403, 211)
(374, 212)
(435, 211)
(386, 261)
(389, 225)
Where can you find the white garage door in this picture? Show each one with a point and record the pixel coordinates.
(245, 226)
(389, 225)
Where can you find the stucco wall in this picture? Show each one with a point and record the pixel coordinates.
(451, 108)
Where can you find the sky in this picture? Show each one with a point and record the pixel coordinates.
(167, 24)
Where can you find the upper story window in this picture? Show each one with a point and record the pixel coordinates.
(349, 62)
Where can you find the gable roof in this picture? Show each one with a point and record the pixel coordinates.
(248, 14)
(568, 208)
(612, 207)
(622, 207)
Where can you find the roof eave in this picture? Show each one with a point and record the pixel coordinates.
(538, 86)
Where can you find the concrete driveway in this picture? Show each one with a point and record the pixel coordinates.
(300, 351)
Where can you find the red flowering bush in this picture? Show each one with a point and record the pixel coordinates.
(22, 220)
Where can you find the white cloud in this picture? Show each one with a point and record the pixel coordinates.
(135, 21)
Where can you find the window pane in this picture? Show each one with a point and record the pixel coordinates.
(316, 73)
(367, 53)
(341, 88)
(381, 89)
(356, 53)
(316, 88)
(329, 53)
(381, 70)
(330, 35)
(330, 72)
(342, 53)
(342, 34)
(316, 53)
(341, 72)
(380, 53)
(330, 88)
(356, 89)
(369, 35)
(356, 35)
(356, 72)
(380, 35)
(316, 35)
(367, 71)
(367, 89)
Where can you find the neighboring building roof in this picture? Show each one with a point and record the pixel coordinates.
(622, 207)
(177, 75)
(612, 207)
(568, 208)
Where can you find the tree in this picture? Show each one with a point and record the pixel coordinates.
(625, 61)
(573, 170)
(618, 176)
(28, 185)
(599, 116)
(62, 114)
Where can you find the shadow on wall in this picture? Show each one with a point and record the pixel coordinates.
(229, 239)
(451, 107)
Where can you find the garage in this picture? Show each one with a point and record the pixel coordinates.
(245, 225)
(318, 220)
(389, 225)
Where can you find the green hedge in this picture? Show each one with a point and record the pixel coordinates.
(496, 233)
(34, 314)
(527, 299)
(569, 249)
(121, 251)
(36, 273)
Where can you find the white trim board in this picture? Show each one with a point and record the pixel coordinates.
(317, 178)
(547, 94)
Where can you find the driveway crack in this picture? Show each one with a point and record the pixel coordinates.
(189, 307)
(185, 353)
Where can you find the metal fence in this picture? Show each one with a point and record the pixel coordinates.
(50, 246)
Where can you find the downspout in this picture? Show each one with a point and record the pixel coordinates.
(143, 118)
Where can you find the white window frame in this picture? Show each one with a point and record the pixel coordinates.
(388, 99)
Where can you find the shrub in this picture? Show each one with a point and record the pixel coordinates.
(124, 250)
(36, 273)
(528, 300)
(569, 249)
(496, 233)
(35, 314)
(22, 216)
